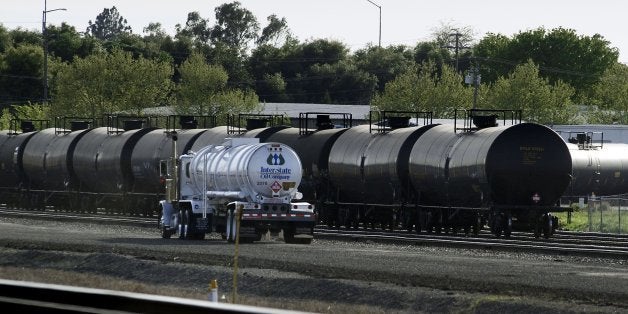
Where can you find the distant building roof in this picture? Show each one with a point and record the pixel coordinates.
(292, 110)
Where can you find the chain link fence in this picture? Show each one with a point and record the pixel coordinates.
(607, 214)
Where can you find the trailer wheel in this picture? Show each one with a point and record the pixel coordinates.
(183, 224)
(165, 232)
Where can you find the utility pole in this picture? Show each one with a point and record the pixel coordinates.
(457, 47)
(380, 20)
(474, 78)
(44, 34)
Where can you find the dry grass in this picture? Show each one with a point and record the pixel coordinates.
(110, 283)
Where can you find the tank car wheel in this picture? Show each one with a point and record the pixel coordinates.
(477, 226)
(496, 225)
(548, 225)
(507, 225)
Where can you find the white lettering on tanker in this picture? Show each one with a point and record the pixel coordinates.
(279, 173)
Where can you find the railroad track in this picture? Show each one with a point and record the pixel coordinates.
(568, 243)
(563, 242)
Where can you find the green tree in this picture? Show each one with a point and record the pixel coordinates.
(276, 30)
(5, 39)
(108, 25)
(609, 96)
(421, 88)
(66, 43)
(196, 29)
(20, 36)
(111, 82)
(23, 112)
(539, 100)
(272, 88)
(235, 26)
(340, 82)
(232, 102)
(198, 82)
(384, 63)
(561, 54)
(21, 70)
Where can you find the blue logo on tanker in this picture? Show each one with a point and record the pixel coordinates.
(275, 160)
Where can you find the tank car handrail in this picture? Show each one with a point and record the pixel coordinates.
(27, 125)
(304, 118)
(469, 115)
(385, 124)
(61, 127)
(269, 120)
(586, 140)
(189, 122)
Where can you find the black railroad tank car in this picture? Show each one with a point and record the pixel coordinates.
(12, 175)
(102, 159)
(153, 147)
(313, 148)
(47, 159)
(370, 172)
(213, 136)
(519, 170)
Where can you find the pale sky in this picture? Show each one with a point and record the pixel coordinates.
(354, 22)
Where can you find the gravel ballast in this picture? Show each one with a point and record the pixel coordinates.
(326, 276)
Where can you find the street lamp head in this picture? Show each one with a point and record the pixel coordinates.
(60, 9)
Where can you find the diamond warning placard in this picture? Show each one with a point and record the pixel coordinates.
(275, 187)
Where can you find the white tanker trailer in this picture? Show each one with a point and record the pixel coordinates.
(257, 181)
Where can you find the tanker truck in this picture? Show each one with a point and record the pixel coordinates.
(256, 183)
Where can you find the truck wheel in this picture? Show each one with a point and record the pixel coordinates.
(165, 232)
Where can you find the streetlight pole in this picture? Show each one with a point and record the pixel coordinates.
(380, 20)
(45, 38)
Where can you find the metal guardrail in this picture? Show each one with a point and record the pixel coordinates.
(31, 297)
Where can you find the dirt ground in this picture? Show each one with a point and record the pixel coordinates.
(327, 276)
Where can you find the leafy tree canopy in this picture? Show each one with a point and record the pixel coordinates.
(560, 53)
(108, 25)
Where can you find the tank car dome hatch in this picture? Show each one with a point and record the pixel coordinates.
(188, 122)
(482, 122)
(129, 125)
(79, 125)
(256, 123)
(27, 126)
(323, 122)
(398, 122)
